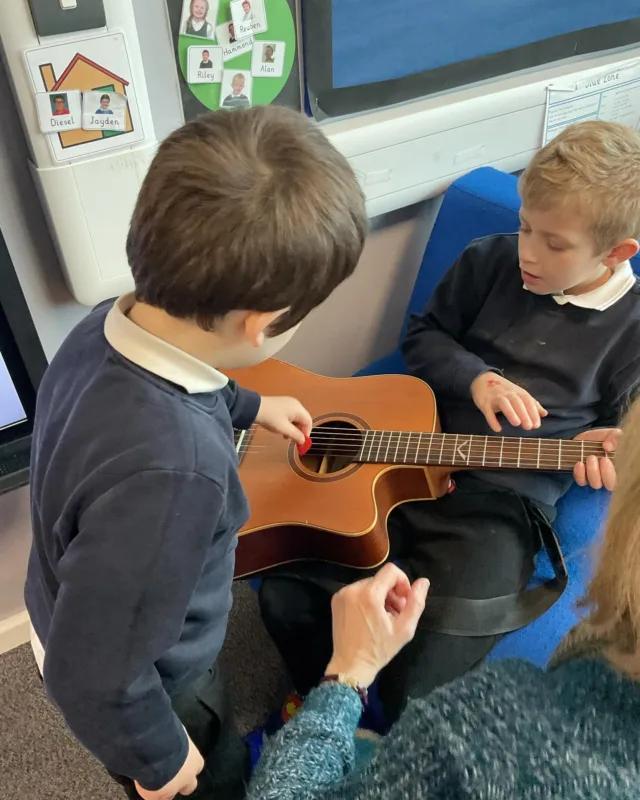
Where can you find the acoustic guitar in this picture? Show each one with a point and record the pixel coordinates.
(376, 444)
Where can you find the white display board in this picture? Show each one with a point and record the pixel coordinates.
(612, 95)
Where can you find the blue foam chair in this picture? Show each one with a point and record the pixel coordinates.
(482, 203)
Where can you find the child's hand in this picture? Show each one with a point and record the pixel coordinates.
(185, 782)
(598, 472)
(287, 416)
(492, 394)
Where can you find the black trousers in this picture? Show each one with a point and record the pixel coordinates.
(205, 711)
(477, 542)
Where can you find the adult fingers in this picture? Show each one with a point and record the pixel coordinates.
(407, 622)
(386, 579)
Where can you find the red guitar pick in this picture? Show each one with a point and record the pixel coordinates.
(303, 449)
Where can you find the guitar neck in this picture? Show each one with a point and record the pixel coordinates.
(473, 451)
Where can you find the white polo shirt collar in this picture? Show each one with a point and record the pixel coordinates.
(157, 356)
(622, 281)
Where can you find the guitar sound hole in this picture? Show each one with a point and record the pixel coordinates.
(335, 447)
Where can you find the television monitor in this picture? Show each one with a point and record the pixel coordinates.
(22, 363)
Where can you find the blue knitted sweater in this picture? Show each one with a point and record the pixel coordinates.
(509, 731)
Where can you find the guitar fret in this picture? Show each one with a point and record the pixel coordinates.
(491, 455)
(501, 451)
(539, 446)
(441, 448)
(364, 444)
(559, 454)
(472, 443)
(395, 457)
(418, 448)
(386, 453)
(484, 452)
(430, 445)
(582, 449)
(455, 450)
(373, 438)
(381, 435)
(519, 452)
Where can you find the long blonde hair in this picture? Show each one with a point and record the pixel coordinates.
(613, 596)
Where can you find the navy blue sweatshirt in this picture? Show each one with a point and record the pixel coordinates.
(581, 364)
(136, 502)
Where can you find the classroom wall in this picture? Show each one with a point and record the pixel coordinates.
(358, 323)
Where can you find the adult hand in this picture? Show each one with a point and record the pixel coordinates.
(286, 416)
(373, 620)
(598, 472)
(184, 783)
(493, 394)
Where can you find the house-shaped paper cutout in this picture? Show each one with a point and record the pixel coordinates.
(85, 75)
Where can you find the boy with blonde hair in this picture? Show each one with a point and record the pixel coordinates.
(534, 334)
(135, 494)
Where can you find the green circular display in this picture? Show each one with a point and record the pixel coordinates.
(281, 28)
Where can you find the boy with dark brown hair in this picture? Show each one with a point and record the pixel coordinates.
(246, 221)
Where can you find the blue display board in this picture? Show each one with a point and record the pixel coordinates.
(363, 54)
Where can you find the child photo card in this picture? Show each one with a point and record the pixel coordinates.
(104, 111)
(236, 89)
(199, 18)
(231, 45)
(267, 59)
(249, 17)
(59, 111)
(204, 65)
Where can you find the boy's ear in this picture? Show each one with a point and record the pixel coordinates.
(621, 252)
(257, 322)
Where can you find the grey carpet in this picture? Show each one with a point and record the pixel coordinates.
(39, 760)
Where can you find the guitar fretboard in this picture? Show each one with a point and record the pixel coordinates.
(469, 450)
(444, 449)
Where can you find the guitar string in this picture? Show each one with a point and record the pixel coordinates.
(477, 440)
(361, 431)
(550, 462)
(341, 434)
(505, 444)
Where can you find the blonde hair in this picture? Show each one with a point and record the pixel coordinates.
(593, 167)
(613, 596)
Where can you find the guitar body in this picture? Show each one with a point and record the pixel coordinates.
(301, 511)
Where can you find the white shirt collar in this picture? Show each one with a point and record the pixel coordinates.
(604, 296)
(157, 356)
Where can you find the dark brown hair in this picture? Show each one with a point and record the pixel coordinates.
(245, 210)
